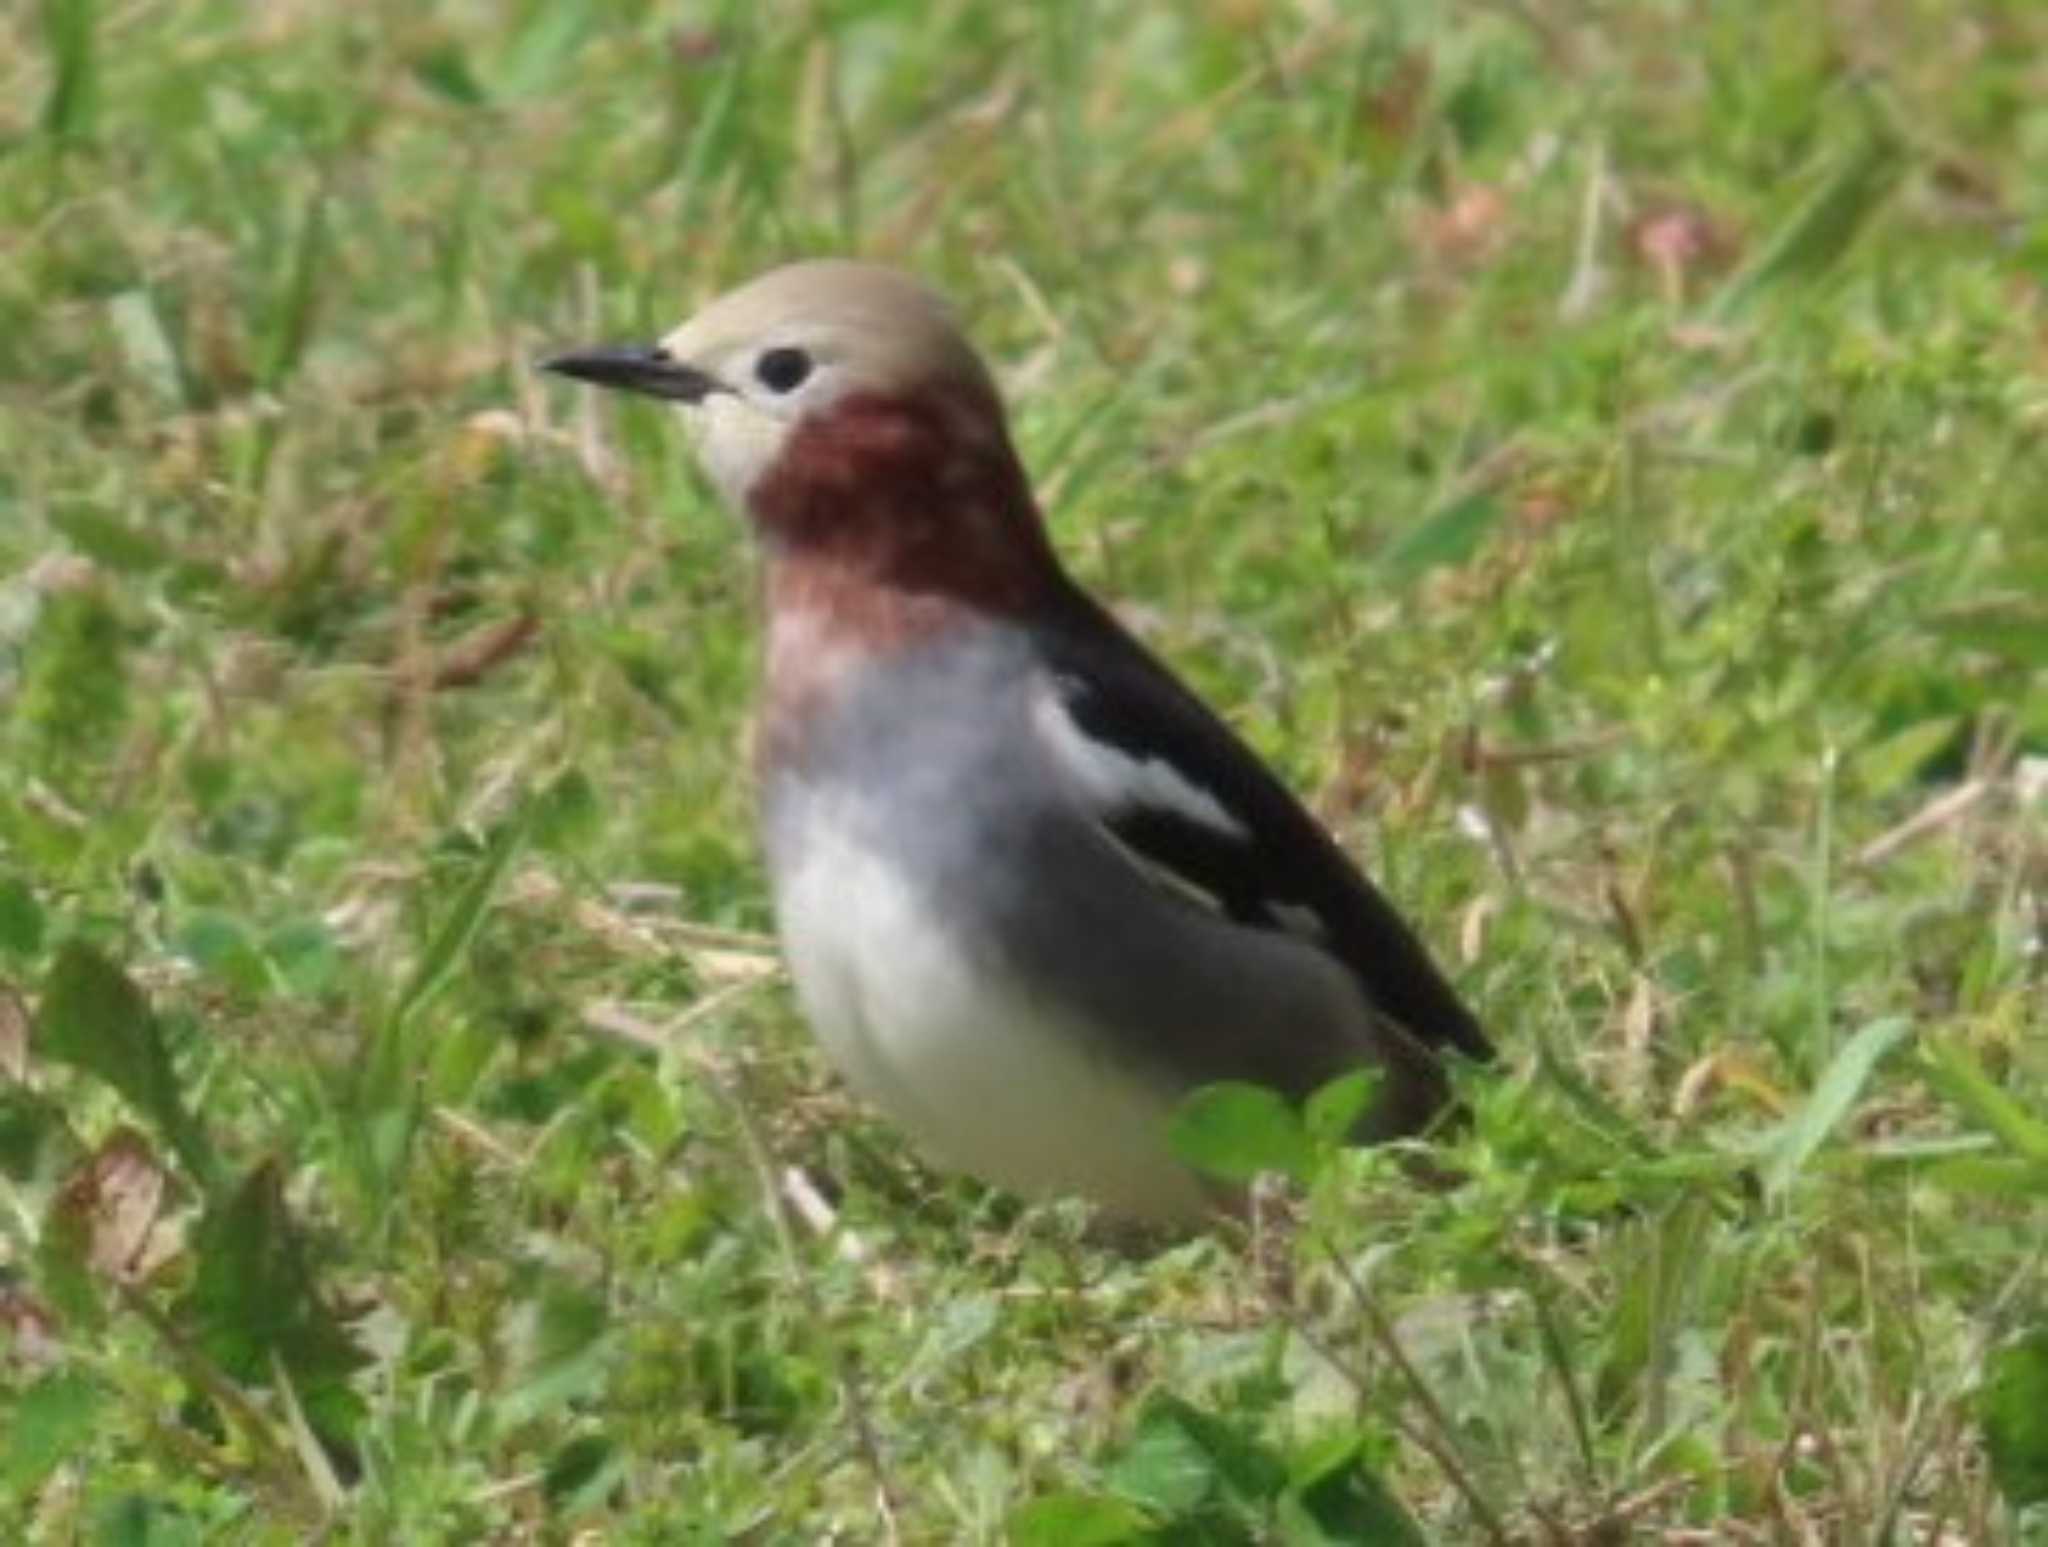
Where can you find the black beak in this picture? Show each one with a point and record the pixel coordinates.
(648, 369)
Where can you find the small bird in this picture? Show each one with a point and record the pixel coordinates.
(1031, 891)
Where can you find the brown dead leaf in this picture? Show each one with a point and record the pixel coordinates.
(118, 1195)
(474, 656)
(1541, 507)
(723, 967)
(1394, 105)
(13, 1035)
(28, 1329)
(1468, 230)
(696, 45)
(1637, 1030)
(1695, 1085)
(216, 341)
(1726, 1069)
(59, 571)
(1472, 925)
(1968, 191)
(1704, 338)
(1349, 788)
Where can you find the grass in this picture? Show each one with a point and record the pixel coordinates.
(1595, 451)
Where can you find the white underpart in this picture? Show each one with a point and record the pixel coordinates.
(1115, 781)
(982, 1077)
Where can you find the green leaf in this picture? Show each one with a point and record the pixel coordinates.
(31, 1127)
(1833, 1094)
(1339, 1500)
(1886, 765)
(1657, 1274)
(962, 1324)
(581, 1471)
(304, 954)
(1181, 1458)
(385, 1104)
(1236, 1132)
(1994, 1176)
(69, 28)
(566, 811)
(444, 69)
(1163, 1469)
(2012, 1409)
(544, 46)
(95, 1019)
(75, 684)
(1950, 1067)
(569, 1354)
(1450, 534)
(571, 1319)
(1331, 1114)
(21, 917)
(1078, 1520)
(137, 1520)
(254, 1299)
(2016, 633)
(52, 1419)
(108, 541)
(1817, 234)
(290, 321)
(451, 941)
(219, 945)
(64, 1270)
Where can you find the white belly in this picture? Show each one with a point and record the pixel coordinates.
(983, 1078)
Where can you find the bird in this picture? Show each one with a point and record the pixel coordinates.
(1031, 891)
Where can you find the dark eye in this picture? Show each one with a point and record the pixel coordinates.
(782, 370)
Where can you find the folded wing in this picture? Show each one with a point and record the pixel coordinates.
(1201, 814)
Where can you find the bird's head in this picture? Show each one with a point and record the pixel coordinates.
(838, 405)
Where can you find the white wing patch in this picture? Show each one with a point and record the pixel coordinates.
(1116, 781)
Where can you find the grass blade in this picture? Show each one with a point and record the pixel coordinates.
(1450, 534)
(291, 322)
(1833, 1095)
(386, 1108)
(1815, 236)
(69, 28)
(1952, 1069)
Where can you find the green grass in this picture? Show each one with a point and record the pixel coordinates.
(395, 1098)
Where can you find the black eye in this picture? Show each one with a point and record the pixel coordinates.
(782, 370)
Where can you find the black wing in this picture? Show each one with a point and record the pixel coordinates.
(1188, 800)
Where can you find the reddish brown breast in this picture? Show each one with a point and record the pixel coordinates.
(888, 518)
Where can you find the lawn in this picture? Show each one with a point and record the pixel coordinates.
(1595, 451)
